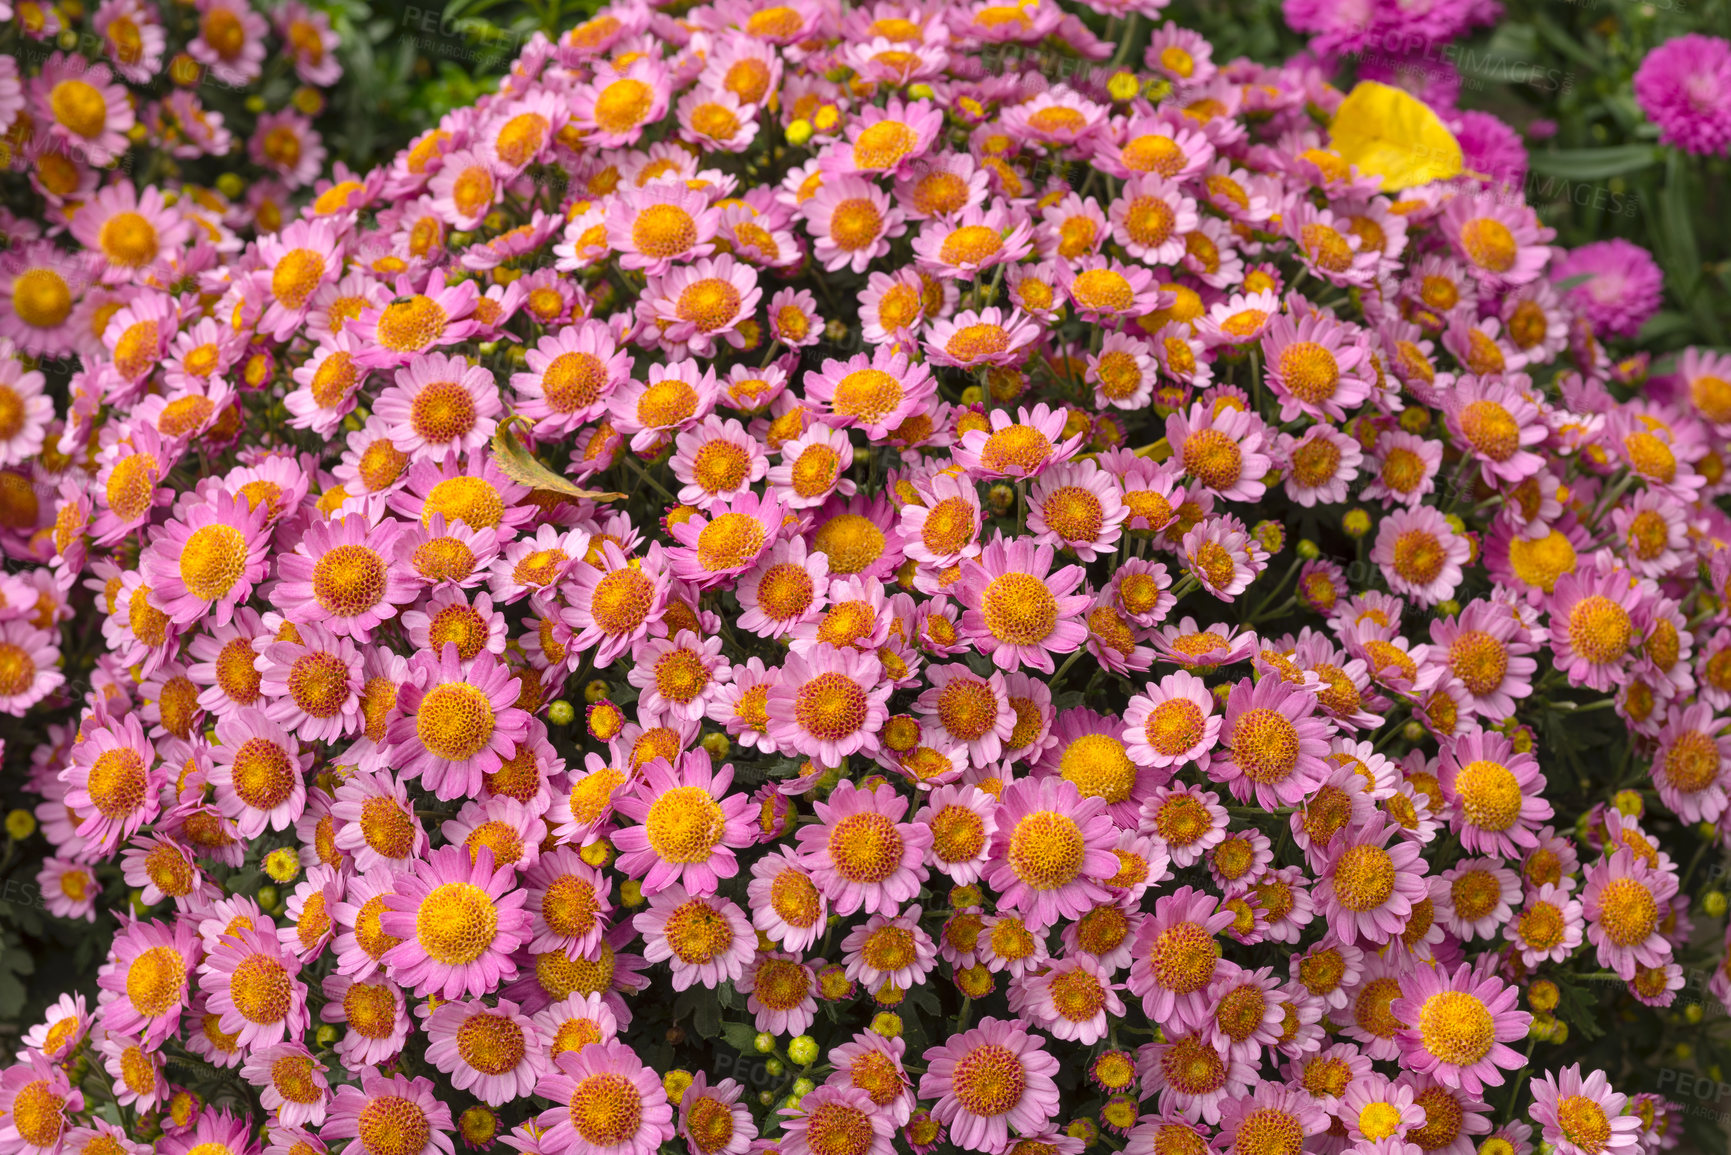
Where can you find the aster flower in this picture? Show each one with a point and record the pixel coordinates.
(690, 827)
(457, 919)
(987, 1080)
(407, 1110)
(828, 703)
(707, 940)
(1583, 1115)
(979, 338)
(1622, 901)
(875, 392)
(1684, 86)
(254, 986)
(1026, 612)
(495, 1053)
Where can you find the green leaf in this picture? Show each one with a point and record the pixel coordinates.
(1663, 324)
(1593, 163)
(521, 466)
(11, 996)
(1679, 253)
(740, 1036)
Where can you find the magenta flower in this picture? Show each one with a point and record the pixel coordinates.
(988, 1080)
(690, 825)
(1684, 86)
(457, 921)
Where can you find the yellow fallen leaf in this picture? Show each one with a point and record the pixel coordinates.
(1391, 133)
(521, 466)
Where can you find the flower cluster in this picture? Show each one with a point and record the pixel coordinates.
(1077, 591)
(104, 111)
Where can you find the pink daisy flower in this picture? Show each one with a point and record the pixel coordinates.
(988, 1080)
(1171, 723)
(713, 1120)
(706, 939)
(340, 576)
(786, 904)
(1582, 1115)
(1420, 554)
(1622, 901)
(964, 245)
(112, 782)
(828, 704)
(291, 1083)
(1050, 849)
(1071, 999)
(978, 338)
(962, 820)
(440, 403)
(1316, 366)
(1494, 795)
(832, 1116)
(852, 223)
(148, 979)
(1368, 890)
(1690, 764)
(82, 108)
(612, 604)
(454, 725)
(875, 392)
(1502, 242)
(690, 825)
(1548, 927)
(1223, 450)
(1458, 1025)
(780, 989)
(406, 1111)
(728, 540)
(1026, 613)
(495, 1053)
(457, 920)
(253, 984)
(886, 141)
(1273, 743)
(1592, 627)
(1499, 425)
(1150, 218)
(861, 855)
(373, 1011)
(313, 685)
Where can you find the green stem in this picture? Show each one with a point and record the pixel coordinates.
(630, 459)
(1068, 662)
(1520, 1080)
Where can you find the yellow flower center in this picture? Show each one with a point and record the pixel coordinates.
(456, 923)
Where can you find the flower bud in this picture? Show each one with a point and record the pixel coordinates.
(561, 713)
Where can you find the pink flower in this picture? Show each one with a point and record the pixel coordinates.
(408, 1109)
(690, 825)
(988, 1080)
(1684, 86)
(1583, 1116)
(706, 939)
(1051, 848)
(828, 704)
(1026, 613)
(1420, 554)
(1623, 900)
(493, 1052)
(255, 987)
(861, 855)
(457, 920)
(440, 403)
